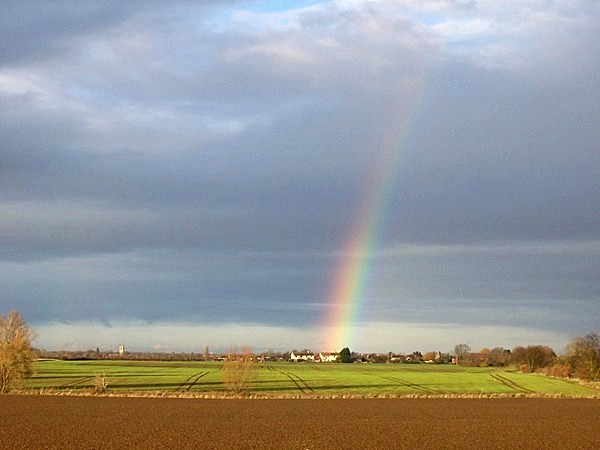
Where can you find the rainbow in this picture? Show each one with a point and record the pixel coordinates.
(347, 292)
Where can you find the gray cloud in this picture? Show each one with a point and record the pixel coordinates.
(170, 161)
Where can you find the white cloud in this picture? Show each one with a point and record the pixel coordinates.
(26, 89)
(512, 35)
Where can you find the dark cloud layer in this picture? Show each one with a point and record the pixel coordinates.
(175, 161)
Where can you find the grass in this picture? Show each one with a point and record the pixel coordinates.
(123, 375)
(299, 379)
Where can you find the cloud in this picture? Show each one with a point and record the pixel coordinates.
(165, 161)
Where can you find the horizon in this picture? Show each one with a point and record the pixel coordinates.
(289, 339)
(339, 173)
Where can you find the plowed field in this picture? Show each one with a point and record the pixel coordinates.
(39, 422)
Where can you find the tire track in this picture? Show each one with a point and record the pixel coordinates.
(410, 385)
(510, 383)
(302, 385)
(191, 380)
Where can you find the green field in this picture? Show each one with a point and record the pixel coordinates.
(302, 379)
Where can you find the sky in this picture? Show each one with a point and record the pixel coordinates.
(384, 175)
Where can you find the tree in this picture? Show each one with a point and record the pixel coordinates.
(583, 355)
(239, 369)
(499, 356)
(496, 357)
(16, 354)
(532, 357)
(430, 356)
(346, 355)
(100, 383)
(461, 351)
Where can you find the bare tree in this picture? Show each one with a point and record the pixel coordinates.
(100, 383)
(499, 356)
(239, 369)
(461, 351)
(532, 357)
(584, 356)
(16, 354)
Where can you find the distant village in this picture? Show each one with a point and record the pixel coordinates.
(293, 356)
(580, 360)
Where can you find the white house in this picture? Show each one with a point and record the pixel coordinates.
(305, 355)
(328, 357)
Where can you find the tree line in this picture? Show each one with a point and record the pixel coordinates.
(580, 360)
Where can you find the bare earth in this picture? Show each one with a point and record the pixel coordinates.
(41, 422)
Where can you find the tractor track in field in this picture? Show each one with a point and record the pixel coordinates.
(410, 385)
(510, 383)
(191, 380)
(302, 385)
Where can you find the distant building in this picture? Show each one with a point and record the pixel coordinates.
(121, 349)
(328, 357)
(305, 355)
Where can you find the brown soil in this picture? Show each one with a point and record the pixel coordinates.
(43, 422)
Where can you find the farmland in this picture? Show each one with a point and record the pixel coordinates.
(58, 422)
(301, 380)
(304, 406)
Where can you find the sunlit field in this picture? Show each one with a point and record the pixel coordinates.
(301, 379)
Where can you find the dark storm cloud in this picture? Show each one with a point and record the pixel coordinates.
(177, 160)
(496, 160)
(523, 285)
(32, 30)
